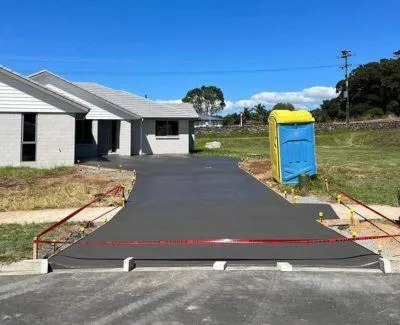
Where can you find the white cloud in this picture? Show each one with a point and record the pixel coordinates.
(308, 98)
(320, 92)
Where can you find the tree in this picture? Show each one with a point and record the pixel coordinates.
(320, 115)
(373, 88)
(284, 106)
(206, 99)
(396, 54)
(333, 108)
(261, 113)
(231, 119)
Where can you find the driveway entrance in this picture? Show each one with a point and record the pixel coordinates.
(186, 197)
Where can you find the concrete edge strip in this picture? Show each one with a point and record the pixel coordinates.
(228, 268)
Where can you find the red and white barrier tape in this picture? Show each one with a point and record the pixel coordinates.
(227, 241)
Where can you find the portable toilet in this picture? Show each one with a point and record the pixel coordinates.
(292, 145)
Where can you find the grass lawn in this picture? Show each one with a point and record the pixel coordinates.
(67, 187)
(365, 164)
(16, 239)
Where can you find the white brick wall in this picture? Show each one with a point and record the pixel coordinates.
(55, 145)
(165, 145)
(125, 138)
(55, 142)
(10, 139)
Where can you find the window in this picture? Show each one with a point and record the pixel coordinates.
(83, 131)
(166, 128)
(28, 137)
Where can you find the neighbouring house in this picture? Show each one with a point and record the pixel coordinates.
(47, 121)
(208, 121)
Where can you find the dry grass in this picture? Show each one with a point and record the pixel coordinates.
(32, 189)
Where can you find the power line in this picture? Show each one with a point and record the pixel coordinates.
(198, 72)
(55, 59)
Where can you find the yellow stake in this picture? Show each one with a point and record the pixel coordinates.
(354, 233)
(339, 199)
(294, 199)
(321, 216)
(54, 246)
(82, 229)
(352, 220)
(285, 193)
(105, 220)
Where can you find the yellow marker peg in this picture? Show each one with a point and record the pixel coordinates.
(326, 185)
(352, 220)
(320, 216)
(339, 199)
(353, 233)
(105, 220)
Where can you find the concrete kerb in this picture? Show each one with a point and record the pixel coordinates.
(229, 268)
(39, 266)
(385, 265)
(284, 266)
(29, 267)
(129, 264)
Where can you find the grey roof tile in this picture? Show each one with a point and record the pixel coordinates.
(138, 105)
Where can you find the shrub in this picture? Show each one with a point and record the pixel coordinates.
(375, 112)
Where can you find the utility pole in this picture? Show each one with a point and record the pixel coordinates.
(345, 54)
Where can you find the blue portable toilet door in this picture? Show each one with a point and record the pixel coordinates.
(297, 151)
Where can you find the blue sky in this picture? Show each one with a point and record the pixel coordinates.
(126, 44)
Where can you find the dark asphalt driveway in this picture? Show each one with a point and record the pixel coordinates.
(186, 197)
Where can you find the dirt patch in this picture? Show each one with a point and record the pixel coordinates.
(72, 187)
(387, 247)
(261, 169)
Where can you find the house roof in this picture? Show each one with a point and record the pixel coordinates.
(204, 117)
(81, 108)
(46, 73)
(140, 106)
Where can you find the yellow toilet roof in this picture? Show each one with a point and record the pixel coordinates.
(285, 116)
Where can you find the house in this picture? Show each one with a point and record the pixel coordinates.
(47, 121)
(208, 121)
